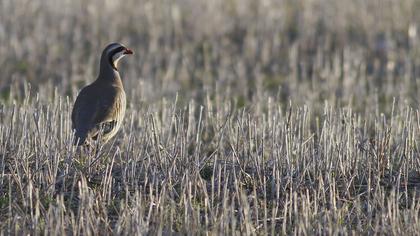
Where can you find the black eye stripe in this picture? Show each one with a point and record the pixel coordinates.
(116, 50)
(112, 53)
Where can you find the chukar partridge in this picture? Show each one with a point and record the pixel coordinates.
(100, 106)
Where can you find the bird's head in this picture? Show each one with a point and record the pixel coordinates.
(114, 52)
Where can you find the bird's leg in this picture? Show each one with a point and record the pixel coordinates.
(91, 150)
(95, 151)
(84, 153)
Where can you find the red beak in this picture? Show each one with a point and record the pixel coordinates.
(128, 51)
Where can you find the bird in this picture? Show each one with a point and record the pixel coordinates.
(100, 106)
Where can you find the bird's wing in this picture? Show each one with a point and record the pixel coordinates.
(84, 111)
(96, 111)
(106, 117)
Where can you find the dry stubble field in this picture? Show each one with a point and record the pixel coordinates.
(244, 117)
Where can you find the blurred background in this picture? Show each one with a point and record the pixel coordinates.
(361, 53)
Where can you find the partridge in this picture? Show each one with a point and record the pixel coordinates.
(100, 106)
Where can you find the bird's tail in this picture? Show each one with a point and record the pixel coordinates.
(79, 138)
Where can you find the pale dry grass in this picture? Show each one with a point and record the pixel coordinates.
(243, 117)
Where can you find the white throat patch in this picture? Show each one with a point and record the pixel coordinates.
(116, 57)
